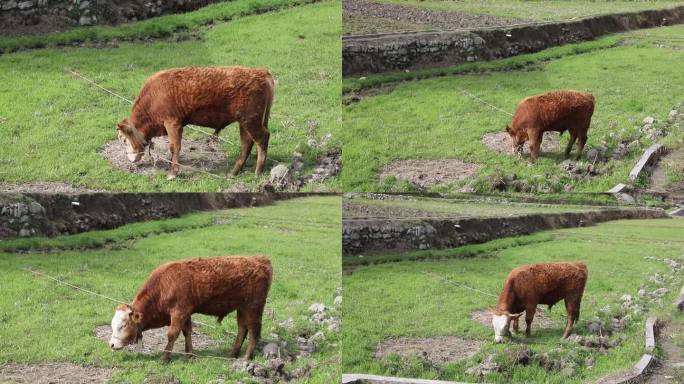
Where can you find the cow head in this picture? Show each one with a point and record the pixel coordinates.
(135, 141)
(518, 139)
(126, 327)
(501, 321)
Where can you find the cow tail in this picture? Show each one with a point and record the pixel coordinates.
(269, 101)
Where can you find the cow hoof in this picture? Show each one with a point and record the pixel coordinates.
(170, 177)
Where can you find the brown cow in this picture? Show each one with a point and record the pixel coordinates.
(530, 285)
(554, 111)
(213, 286)
(211, 97)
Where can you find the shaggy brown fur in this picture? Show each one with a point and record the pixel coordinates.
(212, 286)
(533, 284)
(554, 111)
(211, 97)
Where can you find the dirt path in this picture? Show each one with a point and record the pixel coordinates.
(671, 369)
(672, 162)
(424, 16)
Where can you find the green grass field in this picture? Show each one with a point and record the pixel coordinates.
(400, 299)
(54, 125)
(432, 119)
(44, 322)
(540, 10)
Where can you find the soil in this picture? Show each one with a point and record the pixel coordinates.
(154, 340)
(205, 154)
(671, 369)
(52, 373)
(428, 173)
(501, 142)
(659, 180)
(437, 350)
(423, 16)
(43, 187)
(541, 320)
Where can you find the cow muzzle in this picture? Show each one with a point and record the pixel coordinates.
(115, 344)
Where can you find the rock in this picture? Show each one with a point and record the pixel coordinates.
(287, 324)
(271, 350)
(280, 175)
(661, 291)
(624, 198)
(24, 232)
(568, 372)
(25, 5)
(334, 326)
(589, 361)
(84, 5)
(673, 113)
(85, 20)
(620, 151)
(595, 326)
(648, 120)
(626, 298)
(337, 300)
(317, 308)
(35, 208)
(596, 155)
(641, 292)
(484, 368)
(312, 143)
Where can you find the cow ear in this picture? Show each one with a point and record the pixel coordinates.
(491, 310)
(123, 125)
(136, 317)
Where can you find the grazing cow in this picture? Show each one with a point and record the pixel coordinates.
(554, 111)
(530, 285)
(213, 286)
(211, 97)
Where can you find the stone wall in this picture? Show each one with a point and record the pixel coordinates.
(23, 215)
(415, 50)
(89, 12)
(385, 236)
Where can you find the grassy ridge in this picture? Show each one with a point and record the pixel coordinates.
(55, 124)
(306, 260)
(615, 253)
(540, 10)
(155, 27)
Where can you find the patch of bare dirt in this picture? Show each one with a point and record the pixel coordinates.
(437, 19)
(428, 173)
(36, 25)
(52, 373)
(541, 320)
(43, 187)
(205, 154)
(674, 162)
(154, 340)
(501, 142)
(671, 368)
(437, 350)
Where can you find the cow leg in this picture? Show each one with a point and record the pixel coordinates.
(515, 325)
(242, 333)
(535, 140)
(529, 316)
(571, 142)
(175, 131)
(177, 323)
(246, 144)
(581, 140)
(187, 334)
(254, 324)
(572, 307)
(261, 139)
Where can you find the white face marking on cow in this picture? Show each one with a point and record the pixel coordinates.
(500, 323)
(124, 329)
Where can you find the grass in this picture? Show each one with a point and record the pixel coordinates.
(473, 208)
(162, 26)
(431, 119)
(614, 252)
(306, 260)
(55, 125)
(538, 10)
